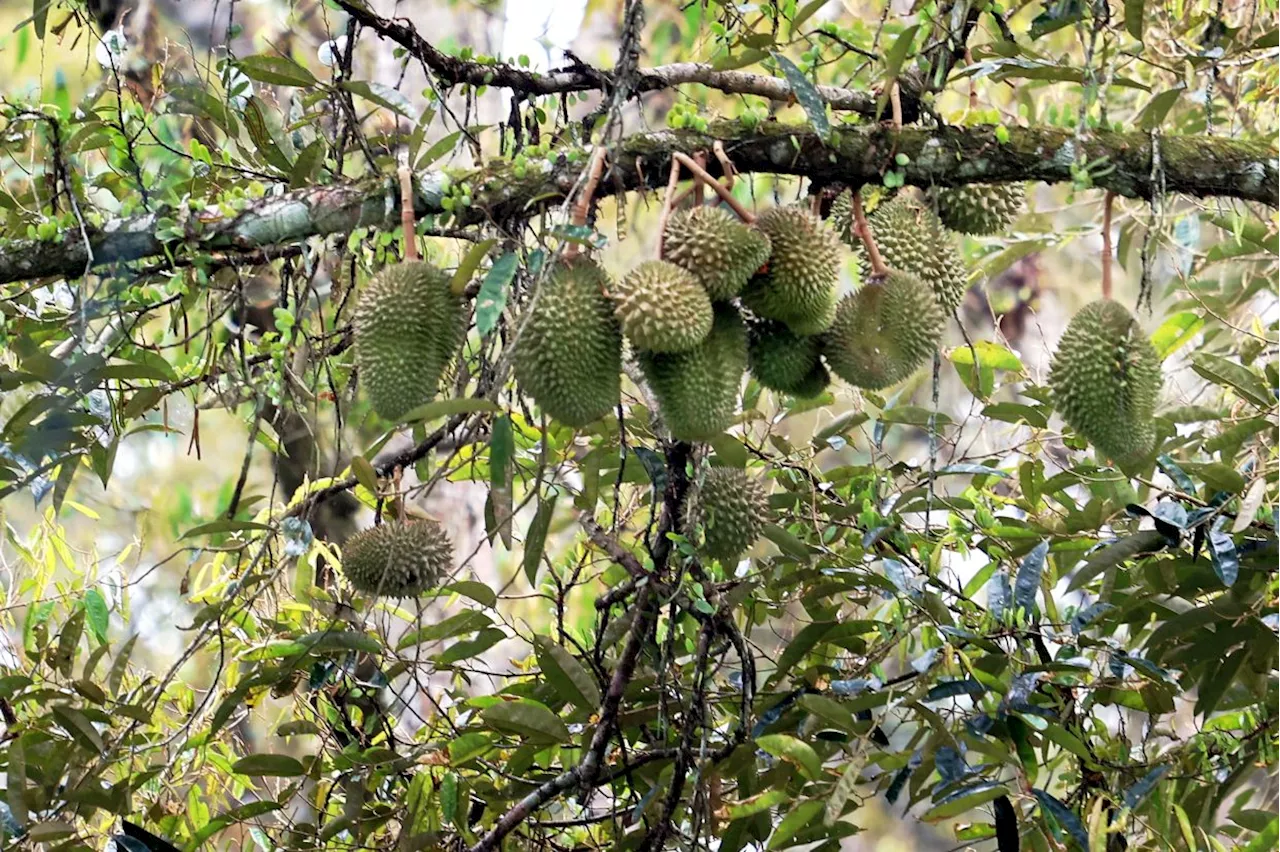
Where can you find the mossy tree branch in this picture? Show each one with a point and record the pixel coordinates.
(1194, 165)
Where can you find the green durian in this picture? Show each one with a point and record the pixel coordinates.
(883, 332)
(732, 509)
(409, 328)
(1105, 378)
(911, 239)
(662, 307)
(569, 354)
(711, 243)
(979, 208)
(697, 391)
(398, 559)
(779, 358)
(799, 286)
(840, 215)
(814, 383)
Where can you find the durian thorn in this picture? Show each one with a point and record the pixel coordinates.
(668, 201)
(734, 204)
(407, 223)
(1107, 202)
(582, 206)
(878, 269)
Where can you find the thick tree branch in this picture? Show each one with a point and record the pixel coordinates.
(949, 156)
(581, 77)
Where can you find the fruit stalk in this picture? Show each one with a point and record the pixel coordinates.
(725, 195)
(863, 230)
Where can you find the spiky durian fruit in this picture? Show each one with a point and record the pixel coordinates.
(979, 208)
(398, 559)
(662, 307)
(732, 509)
(799, 287)
(712, 244)
(697, 390)
(779, 358)
(569, 356)
(1106, 378)
(911, 239)
(840, 216)
(408, 329)
(884, 332)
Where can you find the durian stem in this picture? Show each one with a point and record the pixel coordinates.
(860, 226)
(726, 165)
(407, 222)
(582, 207)
(725, 195)
(701, 159)
(1107, 202)
(668, 201)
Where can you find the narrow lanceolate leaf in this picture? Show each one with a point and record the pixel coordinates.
(276, 70)
(1135, 792)
(1133, 17)
(527, 718)
(893, 62)
(535, 542)
(569, 676)
(793, 751)
(1063, 818)
(16, 782)
(839, 796)
(501, 452)
(1226, 562)
(1007, 837)
(492, 297)
(806, 95)
(1226, 373)
(799, 816)
(999, 594)
(275, 765)
(1028, 581)
(79, 727)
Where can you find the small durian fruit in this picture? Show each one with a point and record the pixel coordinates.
(780, 359)
(398, 559)
(711, 243)
(409, 328)
(911, 239)
(799, 287)
(662, 307)
(883, 332)
(1106, 378)
(569, 355)
(697, 391)
(732, 509)
(979, 208)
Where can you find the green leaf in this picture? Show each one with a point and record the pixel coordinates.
(755, 805)
(799, 816)
(566, 674)
(1027, 582)
(364, 473)
(308, 164)
(501, 496)
(468, 621)
(470, 263)
(383, 96)
(527, 718)
(468, 747)
(1176, 331)
(739, 59)
(788, 543)
(1153, 114)
(1066, 740)
(1226, 373)
(793, 751)
(79, 727)
(1063, 816)
(479, 592)
(1218, 476)
(840, 794)
(829, 710)
(255, 122)
(97, 614)
(893, 62)
(965, 800)
(15, 793)
(273, 765)
(447, 408)
(276, 70)
(493, 293)
(807, 96)
(535, 542)
(1266, 839)
(224, 526)
(1133, 17)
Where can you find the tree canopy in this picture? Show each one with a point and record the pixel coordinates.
(554, 590)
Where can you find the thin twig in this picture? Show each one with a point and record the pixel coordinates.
(668, 201)
(725, 195)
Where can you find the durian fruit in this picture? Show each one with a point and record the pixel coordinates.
(979, 208)
(697, 391)
(883, 332)
(408, 329)
(732, 509)
(911, 239)
(398, 559)
(814, 383)
(569, 355)
(780, 359)
(711, 243)
(662, 307)
(840, 216)
(1106, 378)
(799, 287)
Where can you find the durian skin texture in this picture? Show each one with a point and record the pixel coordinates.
(732, 508)
(711, 243)
(780, 359)
(884, 332)
(569, 355)
(799, 287)
(980, 208)
(1106, 378)
(912, 239)
(408, 329)
(398, 559)
(662, 307)
(697, 390)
